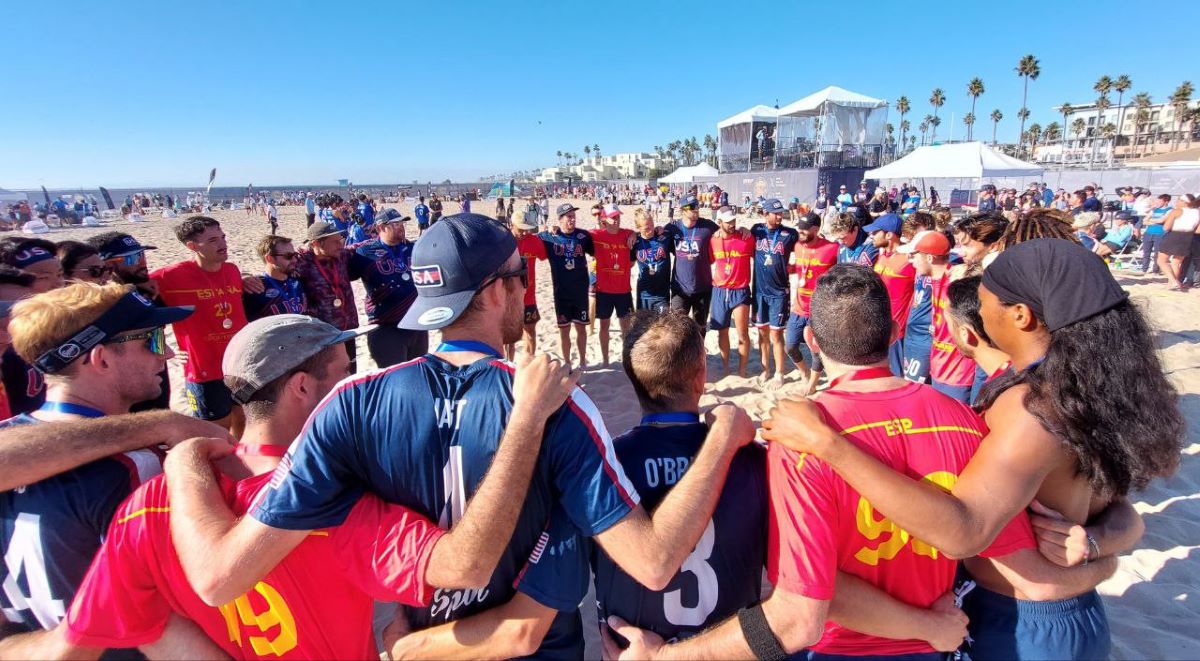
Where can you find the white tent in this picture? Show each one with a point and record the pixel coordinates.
(814, 103)
(689, 173)
(965, 159)
(830, 120)
(759, 113)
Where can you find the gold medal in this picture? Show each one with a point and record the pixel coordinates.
(767, 261)
(227, 323)
(337, 302)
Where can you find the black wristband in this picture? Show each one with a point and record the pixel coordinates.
(758, 634)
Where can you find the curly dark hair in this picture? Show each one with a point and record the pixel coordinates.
(1039, 224)
(986, 228)
(1102, 391)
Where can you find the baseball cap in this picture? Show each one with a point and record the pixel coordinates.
(988, 187)
(888, 222)
(130, 312)
(808, 221)
(927, 242)
(321, 229)
(268, 348)
(726, 214)
(390, 215)
(563, 209)
(450, 262)
(1124, 215)
(120, 246)
(689, 201)
(520, 223)
(773, 205)
(610, 211)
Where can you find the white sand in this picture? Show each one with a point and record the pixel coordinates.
(1150, 601)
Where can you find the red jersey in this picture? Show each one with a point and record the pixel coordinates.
(946, 363)
(613, 262)
(899, 283)
(532, 249)
(732, 260)
(812, 260)
(217, 298)
(820, 525)
(316, 604)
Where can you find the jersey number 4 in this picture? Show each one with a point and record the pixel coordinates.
(706, 585)
(25, 553)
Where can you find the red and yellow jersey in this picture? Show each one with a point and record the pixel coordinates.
(613, 261)
(731, 260)
(820, 525)
(532, 249)
(316, 604)
(946, 363)
(812, 260)
(219, 313)
(898, 275)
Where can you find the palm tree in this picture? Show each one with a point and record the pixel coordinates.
(1122, 85)
(902, 107)
(1077, 127)
(904, 127)
(974, 89)
(923, 127)
(1028, 68)
(1022, 114)
(596, 150)
(1052, 132)
(996, 117)
(1035, 133)
(559, 155)
(1109, 131)
(936, 99)
(710, 146)
(587, 150)
(891, 136)
(1102, 86)
(1180, 100)
(1141, 101)
(912, 142)
(1064, 110)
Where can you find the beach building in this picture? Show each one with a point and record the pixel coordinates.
(625, 165)
(1156, 129)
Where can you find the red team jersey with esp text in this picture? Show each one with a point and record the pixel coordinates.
(219, 314)
(946, 363)
(812, 259)
(732, 258)
(899, 285)
(532, 249)
(316, 604)
(613, 261)
(820, 525)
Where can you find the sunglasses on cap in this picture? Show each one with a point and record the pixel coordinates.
(521, 272)
(132, 259)
(156, 340)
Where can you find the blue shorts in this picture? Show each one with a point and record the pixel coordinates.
(896, 357)
(771, 311)
(654, 302)
(208, 400)
(723, 302)
(794, 345)
(916, 360)
(961, 393)
(607, 303)
(1006, 628)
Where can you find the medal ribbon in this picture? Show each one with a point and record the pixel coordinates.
(450, 346)
(678, 418)
(334, 282)
(72, 409)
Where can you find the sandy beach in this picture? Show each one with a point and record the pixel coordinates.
(1150, 600)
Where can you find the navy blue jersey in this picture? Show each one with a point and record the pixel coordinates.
(920, 315)
(772, 247)
(653, 257)
(431, 436)
(277, 297)
(722, 575)
(693, 259)
(386, 277)
(23, 383)
(50, 531)
(568, 266)
(863, 252)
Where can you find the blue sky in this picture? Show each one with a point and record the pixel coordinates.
(157, 93)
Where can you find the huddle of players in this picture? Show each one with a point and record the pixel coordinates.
(700, 554)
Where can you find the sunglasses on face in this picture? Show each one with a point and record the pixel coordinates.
(156, 340)
(285, 255)
(132, 259)
(98, 271)
(521, 272)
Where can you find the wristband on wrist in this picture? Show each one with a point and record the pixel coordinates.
(758, 634)
(1093, 548)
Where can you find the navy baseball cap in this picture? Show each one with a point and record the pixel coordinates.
(688, 201)
(888, 222)
(1125, 215)
(120, 246)
(450, 262)
(773, 205)
(808, 221)
(564, 209)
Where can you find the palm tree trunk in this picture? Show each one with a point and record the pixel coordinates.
(971, 126)
(1120, 122)
(1095, 138)
(1024, 100)
(994, 125)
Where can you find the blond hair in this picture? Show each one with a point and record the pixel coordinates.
(42, 322)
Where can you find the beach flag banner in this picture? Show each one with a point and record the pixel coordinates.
(46, 193)
(107, 197)
(212, 176)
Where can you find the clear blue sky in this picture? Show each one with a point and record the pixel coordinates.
(157, 93)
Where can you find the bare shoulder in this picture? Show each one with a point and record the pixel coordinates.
(1020, 432)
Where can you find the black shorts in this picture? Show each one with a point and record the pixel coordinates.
(572, 310)
(607, 303)
(694, 304)
(208, 400)
(532, 316)
(1112, 246)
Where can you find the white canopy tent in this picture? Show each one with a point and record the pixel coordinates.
(831, 120)
(961, 160)
(747, 137)
(759, 113)
(688, 174)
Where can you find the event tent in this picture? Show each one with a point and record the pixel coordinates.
(689, 173)
(747, 137)
(828, 120)
(960, 160)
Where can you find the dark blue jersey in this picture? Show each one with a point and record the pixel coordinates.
(23, 383)
(921, 313)
(772, 247)
(431, 435)
(277, 297)
(50, 531)
(722, 575)
(693, 259)
(568, 265)
(653, 257)
(863, 252)
(386, 277)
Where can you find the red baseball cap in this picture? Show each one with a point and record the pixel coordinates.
(927, 242)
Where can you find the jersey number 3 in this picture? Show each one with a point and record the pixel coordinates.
(706, 585)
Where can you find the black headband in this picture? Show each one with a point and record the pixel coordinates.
(129, 312)
(1061, 281)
